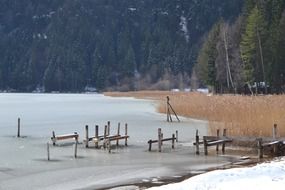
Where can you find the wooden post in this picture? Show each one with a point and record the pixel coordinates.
(126, 134)
(19, 127)
(274, 131)
(169, 106)
(167, 109)
(173, 140)
(149, 143)
(109, 145)
(48, 153)
(224, 144)
(105, 135)
(176, 132)
(197, 142)
(274, 135)
(97, 136)
(109, 126)
(205, 146)
(159, 139)
(86, 136)
(53, 138)
(118, 133)
(218, 135)
(75, 148)
(259, 148)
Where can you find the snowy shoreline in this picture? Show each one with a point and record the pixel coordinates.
(264, 176)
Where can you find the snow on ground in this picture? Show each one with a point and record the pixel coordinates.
(263, 176)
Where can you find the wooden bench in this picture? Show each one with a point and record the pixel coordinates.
(55, 138)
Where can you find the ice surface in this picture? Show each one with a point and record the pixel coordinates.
(23, 161)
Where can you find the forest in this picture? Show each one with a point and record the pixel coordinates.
(232, 46)
(247, 55)
(72, 45)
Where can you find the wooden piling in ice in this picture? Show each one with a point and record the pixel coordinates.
(19, 128)
(126, 134)
(86, 136)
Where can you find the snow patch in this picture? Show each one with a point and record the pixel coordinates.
(132, 9)
(262, 177)
(184, 29)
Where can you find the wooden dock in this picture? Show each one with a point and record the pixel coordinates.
(212, 141)
(160, 140)
(106, 138)
(274, 145)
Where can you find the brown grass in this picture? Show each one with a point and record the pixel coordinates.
(240, 115)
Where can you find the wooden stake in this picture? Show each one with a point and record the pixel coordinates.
(105, 135)
(197, 142)
(48, 153)
(173, 140)
(159, 139)
(118, 133)
(19, 126)
(218, 135)
(86, 136)
(126, 134)
(75, 148)
(109, 126)
(274, 131)
(97, 136)
(205, 146)
(259, 148)
(176, 135)
(109, 146)
(224, 144)
(149, 143)
(168, 111)
(53, 138)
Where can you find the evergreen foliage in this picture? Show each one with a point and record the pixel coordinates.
(66, 45)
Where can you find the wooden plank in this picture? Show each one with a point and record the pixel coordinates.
(67, 136)
(212, 143)
(118, 138)
(166, 139)
(271, 143)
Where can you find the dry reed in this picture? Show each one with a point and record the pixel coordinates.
(240, 115)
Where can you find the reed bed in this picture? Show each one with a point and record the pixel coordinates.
(240, 115)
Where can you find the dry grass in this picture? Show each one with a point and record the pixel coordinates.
(241, 115)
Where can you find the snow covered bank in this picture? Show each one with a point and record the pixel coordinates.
(264, 176)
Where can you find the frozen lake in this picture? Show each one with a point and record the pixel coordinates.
(23, 161)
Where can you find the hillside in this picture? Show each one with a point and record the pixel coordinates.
(246, 55)
(67, 45)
